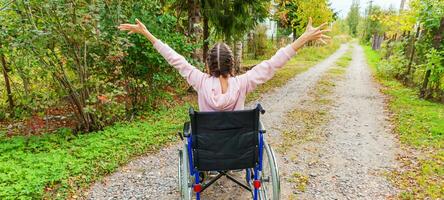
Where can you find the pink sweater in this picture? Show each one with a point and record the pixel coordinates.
(210, 96)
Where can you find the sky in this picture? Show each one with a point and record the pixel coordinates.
(343, 6)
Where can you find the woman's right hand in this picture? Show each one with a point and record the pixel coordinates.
(139, 28)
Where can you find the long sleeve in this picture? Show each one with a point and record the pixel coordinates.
(193, 75)
(265, 70)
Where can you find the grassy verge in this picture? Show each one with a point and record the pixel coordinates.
(61, 165)
(55, 166)
(420, 126)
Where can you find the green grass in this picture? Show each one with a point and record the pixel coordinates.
(420, 126)
(345, 60)
(56, 166)
(304, 59)
(61, 165)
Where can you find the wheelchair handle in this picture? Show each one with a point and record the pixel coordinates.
(259, 107)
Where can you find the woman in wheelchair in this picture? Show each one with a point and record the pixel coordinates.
(223, 136)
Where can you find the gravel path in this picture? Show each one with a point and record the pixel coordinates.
(350, 160)
(359, 148)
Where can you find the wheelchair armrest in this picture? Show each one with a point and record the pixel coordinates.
(261, 127)
(187, 129)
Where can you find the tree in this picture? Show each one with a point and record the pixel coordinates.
(194, 18)
(294, 14)
(7, 36)
(353, 18)
(431, 16)
(287, 15)
(231, 20)
(5, 70)
(415, 50)
(75, 53)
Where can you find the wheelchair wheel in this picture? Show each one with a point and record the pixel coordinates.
(270, 189)
(185, 179)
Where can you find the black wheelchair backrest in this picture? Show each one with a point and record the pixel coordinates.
(225, 140)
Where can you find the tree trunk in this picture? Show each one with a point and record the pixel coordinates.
(237, 56)
(294, 35)
(376, 41)
(193, 21)
(7, 81)
(424, 91)
(206, 35)
(412, 52)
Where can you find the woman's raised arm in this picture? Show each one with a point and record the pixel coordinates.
(193, 75)
(265, 70)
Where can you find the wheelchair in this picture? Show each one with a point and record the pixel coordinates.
(220, 142)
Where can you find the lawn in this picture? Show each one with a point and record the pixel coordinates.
(60, 165)
(420, 126)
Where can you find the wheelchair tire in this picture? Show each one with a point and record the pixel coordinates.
(185, 179)
(270, 189)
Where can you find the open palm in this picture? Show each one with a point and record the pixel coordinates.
(139, 27)
(315, 33)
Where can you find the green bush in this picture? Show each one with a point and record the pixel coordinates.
(74, 53)
(396, 63)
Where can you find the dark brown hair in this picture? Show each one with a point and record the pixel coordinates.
(220, 61)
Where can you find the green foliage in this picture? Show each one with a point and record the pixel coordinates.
(340, 27)
(395, 65)
(430, 12)
(353, 18)
(293, 14)
(233, 19)
(414, 50)
(420, 125)
(435, 63)
(374, 24)
(64, 50)
(54, 165)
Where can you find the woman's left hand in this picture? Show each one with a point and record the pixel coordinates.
(312, 34)
(316, 34)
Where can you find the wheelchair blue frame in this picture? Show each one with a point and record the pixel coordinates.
(258, 168)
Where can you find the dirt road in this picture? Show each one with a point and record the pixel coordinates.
(349, 163)
(359, 147)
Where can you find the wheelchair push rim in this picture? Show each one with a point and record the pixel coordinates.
(185, 180)
(270, 188)
(269, 176)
